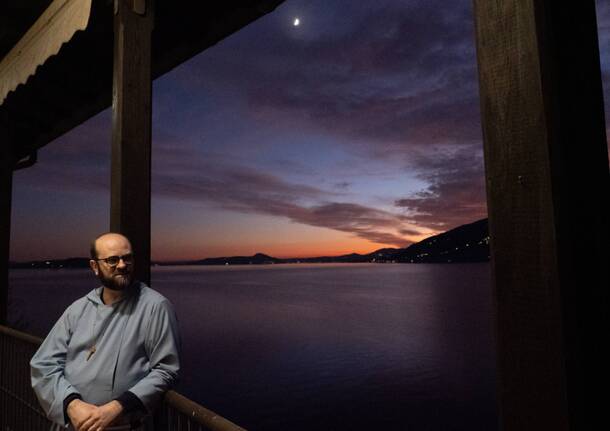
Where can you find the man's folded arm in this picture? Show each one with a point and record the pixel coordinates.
(130, 402)
(162, 346)
(47, 372)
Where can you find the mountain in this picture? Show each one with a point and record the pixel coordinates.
(346, 258)
(257, 259)
(466, 243)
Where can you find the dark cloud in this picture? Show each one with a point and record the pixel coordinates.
(219, 182)
(396, 82)
(456, 194)
(179, 173)
(396, 77)
(362, 221)
(79, 161)
(343, 185)
(409, 232)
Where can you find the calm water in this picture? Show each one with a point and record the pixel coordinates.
(317, 347)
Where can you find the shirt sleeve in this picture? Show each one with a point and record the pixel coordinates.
(47, 371)
(162, 347)
(130, 403)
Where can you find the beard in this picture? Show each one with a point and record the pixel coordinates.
(116, 280)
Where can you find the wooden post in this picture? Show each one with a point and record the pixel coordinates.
(545, 153)
(131, 128)
(6, 185)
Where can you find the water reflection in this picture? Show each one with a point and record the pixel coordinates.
(297, 347)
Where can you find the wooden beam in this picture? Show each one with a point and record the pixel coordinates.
(545, 152)
(6, 186)
(131, 130)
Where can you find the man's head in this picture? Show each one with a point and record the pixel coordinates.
(112, 260)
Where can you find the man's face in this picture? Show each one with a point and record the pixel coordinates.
(116, 277)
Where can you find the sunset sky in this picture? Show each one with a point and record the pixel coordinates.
(357, 129)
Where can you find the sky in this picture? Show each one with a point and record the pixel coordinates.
(357, 129)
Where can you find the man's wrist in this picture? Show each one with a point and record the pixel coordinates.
(72, 405)
(69, 401)
(115, 406)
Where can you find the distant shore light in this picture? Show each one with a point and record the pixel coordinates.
(296, 22)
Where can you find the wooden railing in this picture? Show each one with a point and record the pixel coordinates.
(19, 408)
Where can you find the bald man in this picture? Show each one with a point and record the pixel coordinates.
(112, 354)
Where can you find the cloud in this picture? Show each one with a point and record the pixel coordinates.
(368, 223)
(215, 180)
(456, 194)
(409, 232)
(394, 83)
(343, 185)
(79, 161)
(384, 79)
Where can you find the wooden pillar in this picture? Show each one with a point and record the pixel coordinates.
(545, 154)
(6, 186)
(131, 128)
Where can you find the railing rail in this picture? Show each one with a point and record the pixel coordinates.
(19, 408)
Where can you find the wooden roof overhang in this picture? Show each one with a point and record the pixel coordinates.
(72, 86)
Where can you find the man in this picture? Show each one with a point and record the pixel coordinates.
(113, 353)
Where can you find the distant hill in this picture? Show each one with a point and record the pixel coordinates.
(71, 262)
(257, 259)
(346, 258)
(466, 243)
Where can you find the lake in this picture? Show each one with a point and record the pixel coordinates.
(317, 346)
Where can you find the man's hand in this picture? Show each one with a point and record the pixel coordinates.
(79, 411)
(88, 417)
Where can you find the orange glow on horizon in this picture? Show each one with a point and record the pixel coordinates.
(296, 249)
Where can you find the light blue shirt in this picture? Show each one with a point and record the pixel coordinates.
(136, 349)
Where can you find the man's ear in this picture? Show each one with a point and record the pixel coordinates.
(94, 267)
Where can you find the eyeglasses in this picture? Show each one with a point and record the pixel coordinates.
(113, 261)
